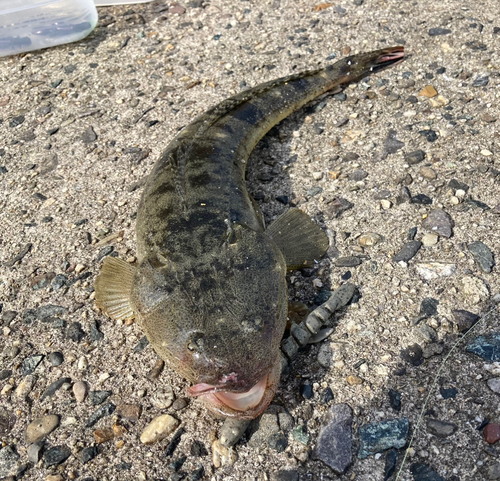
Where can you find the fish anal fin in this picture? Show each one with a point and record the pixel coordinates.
(112, 289)
(300, 240)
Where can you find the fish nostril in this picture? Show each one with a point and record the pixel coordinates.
(195, 342)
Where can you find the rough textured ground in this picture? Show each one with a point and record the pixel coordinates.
(77, 150)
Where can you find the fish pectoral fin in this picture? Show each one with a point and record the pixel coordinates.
(112, 289)
(300, 240)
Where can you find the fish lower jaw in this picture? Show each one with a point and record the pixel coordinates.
(245, 405)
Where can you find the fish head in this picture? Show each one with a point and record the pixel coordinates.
(355, 67)
(218, 320)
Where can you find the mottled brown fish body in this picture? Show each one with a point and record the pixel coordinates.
(209, 289)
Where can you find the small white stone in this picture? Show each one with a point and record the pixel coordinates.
(79, 268)
(163, 399)
(454, 200)
(386, 204)
(486, 153)
(317, 175)
(82, 363)
(430, 239)
(39, 428)
(222, 456)
(159, 428)
(494, 384)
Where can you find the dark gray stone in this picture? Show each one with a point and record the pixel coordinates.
(481, 81)
(408, 251)
(412, 354)
(326, 396)
(338, 206)
(55, 358)
(55, 386)
(98, 397)
(448, 393)
(441, 429)
(95, 334)
(89, 136)
(482, 255)
(56, 455)
(105, 251)
(358, 175)
(334, 444)
(439, 222)
(464, 319)
(8, 316)
(486, 347)
(392, 144)
(34, 451)
(433, 32)
(50, 310)
(377, 437)
(198, 449)
(347, 261)
(395, 399)
(31, 363)
(59, 281)
(29, 315)
(75, 332)
(390, 463)
(415, 157)
(421, 199)
(105, 410)
(422, 472)
(285, 475)
(430, 135)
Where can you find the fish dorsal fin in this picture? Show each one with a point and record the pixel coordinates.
(300, 240)
(112, 288)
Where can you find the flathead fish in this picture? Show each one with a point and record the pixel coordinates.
(209, 287)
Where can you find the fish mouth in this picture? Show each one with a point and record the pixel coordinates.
(388, 57)
(243, 405)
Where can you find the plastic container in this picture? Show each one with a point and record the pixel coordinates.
(107, 3)
(34, 24)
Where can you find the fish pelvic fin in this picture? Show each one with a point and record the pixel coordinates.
(300, 240)
(112, 289)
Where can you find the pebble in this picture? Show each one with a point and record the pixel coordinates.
(163, 397)
(159, 428)
(285, 475)
(428, 92)
(415, 157)
(395, 399)
(379, 436)
(448, 393)
(338, 206)
(49, 310)
(306, 391)
(347, 261)
(493, 472)
(263, 431)
(98, 397)
(317, 175)
(430, 135)
(34, 452)
(55, 386)
(428, 308)
(232, 430)
(223, 456)
(354, 380)
(180, 403)
(8, 316)
(494, 384)
(75, 332)
(475, 288)
(299, 433)
(89, 135)
(55, 358)
(439, 222)
(486, 347)
(433, 270)
(408, 251)
(105, 410)
(326, 396)
(433, 32)
(31, 363)
(95, 333)
(464, 319)
(432, 349)
(491, 433)
(429, 239)
(369, 239)
(412, 354)
(25, 386)
(157, 369)
(56, 455)
(198, 449)
(80, 391)
(421, 199)
(422, 472)
(482, 255)
(391, 143)
(285, 421)
(427, 173)
(358, 175)
(103, 435)
(441, 429)
(391, 459)
(8, 461)
(334, 444)
(481, 81)
(87, 454)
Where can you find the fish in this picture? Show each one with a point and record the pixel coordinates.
(209, 286)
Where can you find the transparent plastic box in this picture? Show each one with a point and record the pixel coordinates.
(35, 24)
